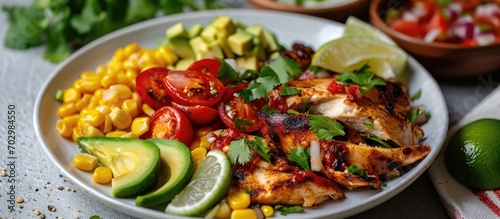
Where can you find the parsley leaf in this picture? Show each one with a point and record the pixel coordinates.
(356, 171)
(326, 128)
(379, 141)
(239, 150)
(288, 209)
(360, 77)
(301, 157)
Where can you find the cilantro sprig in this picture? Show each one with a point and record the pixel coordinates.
(301, 156)
(356, 171)
(324, 127)
(360, 77)
(279, 71)
(239, 150)
(288, 209)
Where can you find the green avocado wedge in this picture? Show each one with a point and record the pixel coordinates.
(135, 163)
(176, 170)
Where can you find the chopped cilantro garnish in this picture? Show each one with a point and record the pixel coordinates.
(95, 217)
(356, 171)
(416, 95)
(288, 209)
(226, 72)
(286, 91)
(379, 141)
(361, 78)
(242, 124)
(368, 123)
(414, 115)
(326, 128)
(268, 110)
(301, 157)
(315, 69)
(293, 112)
(280, 71)
(239, 150)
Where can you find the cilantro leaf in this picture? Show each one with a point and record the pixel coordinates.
(288, 209)
(414, 115)
(368, 123)
(268, 110)
(326, 128)
(315, 69)
(286, 68)
(242, 124)
(226, 72)
(360, 77)
(356, 171)
(379, 141)
(301, 157)
(416, 95)
(287, 91)
(239, 152)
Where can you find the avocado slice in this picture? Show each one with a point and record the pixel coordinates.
(135, 163)
(181, 47)
(176, 170)
(177, 30)
(240, 43)
(194, 30)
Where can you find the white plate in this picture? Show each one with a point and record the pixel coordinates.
(288, 28)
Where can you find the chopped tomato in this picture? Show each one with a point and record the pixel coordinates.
(170, 123)
(410, 28)
(206, 66)
(191, 88)
(149, 86)
(437, 22)
(336, 88)
(354, 93)
(236, 114)
(198, 114)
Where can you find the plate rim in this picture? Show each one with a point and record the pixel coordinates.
(137, 211)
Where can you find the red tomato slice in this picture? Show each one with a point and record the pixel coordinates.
(191, 88)
(149, 86)
(170, 123)
(410, 28)
(236, 114)
(199, 115)
(437, 22)
(206, 66)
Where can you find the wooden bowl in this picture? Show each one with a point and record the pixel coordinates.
(338, 12)
(443, 60)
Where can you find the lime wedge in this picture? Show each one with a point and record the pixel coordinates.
(355, 27)
(350, 53)
(209, 185)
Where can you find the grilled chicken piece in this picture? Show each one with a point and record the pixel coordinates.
(281, 182)
(386, 124)
(285, 132)
(392, 95)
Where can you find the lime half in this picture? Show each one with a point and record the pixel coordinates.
(355, 27)
(350, 53)
(209, 185)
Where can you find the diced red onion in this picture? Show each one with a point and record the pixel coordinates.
(464, 30)
(432, 35)
(487, 10)
(485, 38)
(454, 10)
(409, 16)
(315, 152)
(260, 214)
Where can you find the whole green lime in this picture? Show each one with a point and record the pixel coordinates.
(473, 154)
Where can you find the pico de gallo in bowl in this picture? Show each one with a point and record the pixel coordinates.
(451, 38)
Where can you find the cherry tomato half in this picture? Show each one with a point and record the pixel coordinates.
(149, 86)
(170, 123)
(206, 66)
(236, 114)
(192, 88)
(198, 114)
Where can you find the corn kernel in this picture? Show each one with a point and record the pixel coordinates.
(204, 142)
(238, 200)
(246, 213)
(129, 135)
(76, 134)
(84, 102)
(65, 129)
(124, 92)
(267, 210)
(131, 65)
(72, 119)
(116, 134)
(131, 75)
(107, 126)
(159, 58)
(110, 96)
(224, 211)
(108, 80)
(104, 109)
(90, 131)
(87, 75)
(148, 110)
(101, 70)
(98, 94)
(102, 175)
(85, 162)
(66, 109)
(115, 65)
(94, 118)
(198, 154)
(130, 106)
(203, 131)
(120, 118)
(78, 85)
(71, 95)
(119, 54)
(195, 144)
(131, 48)
(91, 84)
(123, 80)
(135, 96)
(140, 125)
(168, 55)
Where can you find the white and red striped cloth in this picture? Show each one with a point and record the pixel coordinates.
(460, 201)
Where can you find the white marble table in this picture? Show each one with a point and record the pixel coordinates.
(40, 185)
